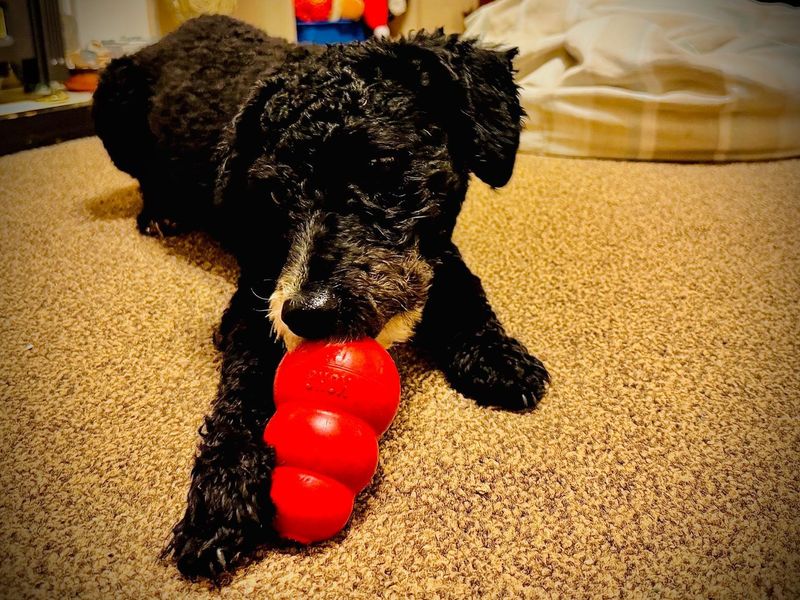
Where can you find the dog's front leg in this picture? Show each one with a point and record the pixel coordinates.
(461, 332)
(228, 509)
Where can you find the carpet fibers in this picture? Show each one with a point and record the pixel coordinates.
(663, 463)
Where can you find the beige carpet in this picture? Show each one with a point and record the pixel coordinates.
(663, 463)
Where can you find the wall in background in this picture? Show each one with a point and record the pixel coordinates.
(276, 17)
(87, 20)
(430, 14)
(104, 20)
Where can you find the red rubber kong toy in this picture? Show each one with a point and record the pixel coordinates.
(333, 402)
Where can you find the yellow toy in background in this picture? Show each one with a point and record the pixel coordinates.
(347, 9)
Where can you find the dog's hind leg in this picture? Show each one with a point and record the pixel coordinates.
(121, 110)
(470, 346)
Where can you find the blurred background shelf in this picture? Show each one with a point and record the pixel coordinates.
(26, 123)
(17, 102)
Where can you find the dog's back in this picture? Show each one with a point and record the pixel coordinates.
(160, 112)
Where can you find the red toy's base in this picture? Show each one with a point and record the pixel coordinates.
(309, 507)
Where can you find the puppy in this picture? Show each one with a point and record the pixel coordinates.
(335, 176)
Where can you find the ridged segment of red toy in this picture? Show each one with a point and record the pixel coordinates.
(333, 402)
(358, 377)
(336, 444)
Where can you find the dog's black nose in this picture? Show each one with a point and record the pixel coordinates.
(313, 316)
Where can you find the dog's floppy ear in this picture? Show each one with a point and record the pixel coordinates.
(240, 144)
(474, 90)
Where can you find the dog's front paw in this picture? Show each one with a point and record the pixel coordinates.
(211, 551)
(228, 514)
(496, 370)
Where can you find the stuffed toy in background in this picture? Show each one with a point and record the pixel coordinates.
(375, 13)
(376, 16)
(312, 10)
(398, 7)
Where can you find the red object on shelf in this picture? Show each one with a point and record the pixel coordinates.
(82, 82)
(333, 402)
(312, 10)
(376, 13)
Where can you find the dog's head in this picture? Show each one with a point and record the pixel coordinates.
(352, 165)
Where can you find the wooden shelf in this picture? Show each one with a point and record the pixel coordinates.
(26, 123)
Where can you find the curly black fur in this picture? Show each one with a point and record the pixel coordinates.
(335, 175)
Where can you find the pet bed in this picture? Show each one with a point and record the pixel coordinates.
(716, 80)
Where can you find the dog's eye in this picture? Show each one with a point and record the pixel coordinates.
(383, 171)
(379, 173)
(383, 162)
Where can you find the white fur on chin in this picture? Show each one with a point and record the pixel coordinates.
(398, 329)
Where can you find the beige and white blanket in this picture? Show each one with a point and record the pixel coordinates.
(653, 79)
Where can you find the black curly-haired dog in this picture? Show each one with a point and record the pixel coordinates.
(335, 176)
